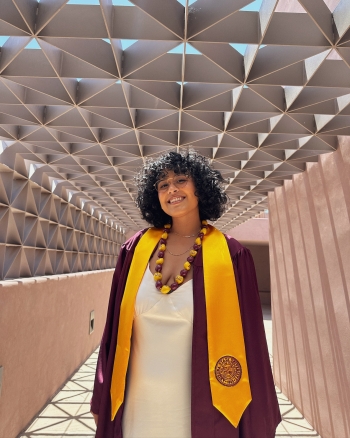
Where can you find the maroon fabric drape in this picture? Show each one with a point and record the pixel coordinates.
(261, 417)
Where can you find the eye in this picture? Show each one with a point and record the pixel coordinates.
(182, 180)
(163, 185)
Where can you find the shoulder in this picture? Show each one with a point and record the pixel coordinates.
(234, 246)
(240, 255)
(130, 244)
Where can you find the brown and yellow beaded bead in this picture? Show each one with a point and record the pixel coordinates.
(179, 279)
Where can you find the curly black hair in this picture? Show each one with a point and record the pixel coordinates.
(209, 185)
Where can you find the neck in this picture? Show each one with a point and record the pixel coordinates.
(186, 225)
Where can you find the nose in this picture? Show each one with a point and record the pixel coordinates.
(172, 187)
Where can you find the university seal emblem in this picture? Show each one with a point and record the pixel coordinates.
(228, 371)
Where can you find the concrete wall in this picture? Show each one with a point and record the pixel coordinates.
(310, 284)
(261, 259)
(254, 231)
(44, 337)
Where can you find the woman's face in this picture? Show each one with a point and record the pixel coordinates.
(177, 201)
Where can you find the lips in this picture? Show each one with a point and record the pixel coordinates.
(176, 199)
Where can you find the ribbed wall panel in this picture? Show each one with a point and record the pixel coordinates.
(310, 284)
(44, 234)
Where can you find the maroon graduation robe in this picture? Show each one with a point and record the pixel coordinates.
(261, 417)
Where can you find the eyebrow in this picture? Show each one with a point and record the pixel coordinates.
(165, 178)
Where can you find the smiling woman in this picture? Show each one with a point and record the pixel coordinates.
(184, 351)
(208, 183)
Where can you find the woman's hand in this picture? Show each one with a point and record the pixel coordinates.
(95, 417)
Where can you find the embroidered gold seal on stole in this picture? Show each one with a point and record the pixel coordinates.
(228, 371)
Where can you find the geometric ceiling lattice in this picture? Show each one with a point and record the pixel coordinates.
(44, 234)
(88, 91)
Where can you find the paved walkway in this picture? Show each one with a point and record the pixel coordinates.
(67, 415)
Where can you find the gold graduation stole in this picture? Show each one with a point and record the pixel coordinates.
(228, 371)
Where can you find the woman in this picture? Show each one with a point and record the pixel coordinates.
(184, 352)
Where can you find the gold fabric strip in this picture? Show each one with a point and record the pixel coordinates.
(228, 371)
(138, 266)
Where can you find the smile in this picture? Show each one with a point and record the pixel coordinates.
(175, 200)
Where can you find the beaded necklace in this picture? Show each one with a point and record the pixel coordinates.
(165, 289)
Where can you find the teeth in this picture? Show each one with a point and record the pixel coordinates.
(175, 200)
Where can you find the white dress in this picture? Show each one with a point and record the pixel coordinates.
(158, 389)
